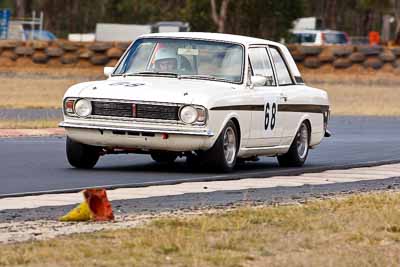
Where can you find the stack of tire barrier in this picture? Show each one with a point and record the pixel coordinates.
(343, 57)
(60, 52)
(79, 54)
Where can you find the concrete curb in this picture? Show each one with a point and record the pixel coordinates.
(217, 178)
(50, 199)
(31, 132)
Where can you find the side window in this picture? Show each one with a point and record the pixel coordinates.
(281, 69)
(261, 64)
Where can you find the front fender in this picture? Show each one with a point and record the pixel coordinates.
(218, 120)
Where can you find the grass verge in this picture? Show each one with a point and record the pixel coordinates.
(362, 230)
(26, 124)
(33, 93)
(363, 100)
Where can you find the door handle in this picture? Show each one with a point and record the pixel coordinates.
(284, 98)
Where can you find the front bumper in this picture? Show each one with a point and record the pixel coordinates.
(141, 137)
(148, 129)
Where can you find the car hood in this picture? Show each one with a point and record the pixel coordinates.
(155, 89)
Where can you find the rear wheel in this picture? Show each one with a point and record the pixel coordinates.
(222, 156)
(81, 156)
(164, 157)
(298, 151)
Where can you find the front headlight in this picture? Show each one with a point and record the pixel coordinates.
(188, 114)
(83, 108)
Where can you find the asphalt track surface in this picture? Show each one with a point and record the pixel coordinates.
(37, 165)
(30, 114)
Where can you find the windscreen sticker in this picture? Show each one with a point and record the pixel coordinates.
(188, 52)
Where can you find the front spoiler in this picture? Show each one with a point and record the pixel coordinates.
(197, 132)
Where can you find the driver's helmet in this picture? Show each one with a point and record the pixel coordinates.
(166, 59)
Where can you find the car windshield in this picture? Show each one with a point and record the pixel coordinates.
(184, 58)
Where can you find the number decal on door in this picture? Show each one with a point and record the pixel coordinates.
(270, 117)
(266, 120)
(273, 117)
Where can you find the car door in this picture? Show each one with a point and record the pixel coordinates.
(266, 124)
(290, 95)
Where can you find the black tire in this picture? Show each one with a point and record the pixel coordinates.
(164, 157)
(81, 156)
(295, 157)
(215, 157)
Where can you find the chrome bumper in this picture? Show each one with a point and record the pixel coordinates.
(197, 132)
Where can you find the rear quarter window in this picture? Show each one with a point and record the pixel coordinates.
(282, 70)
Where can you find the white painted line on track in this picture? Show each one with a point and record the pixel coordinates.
(326, 177)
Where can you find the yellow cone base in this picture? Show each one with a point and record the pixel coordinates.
(78, 214)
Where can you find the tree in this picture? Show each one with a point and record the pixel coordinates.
(396, 11)
(20, 8)
(197, 13)
(259, 18)
(332, 14)
(268, 19)
(219, 19)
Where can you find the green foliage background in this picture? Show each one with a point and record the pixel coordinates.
(260, 18)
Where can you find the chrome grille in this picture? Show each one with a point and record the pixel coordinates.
(131, 110)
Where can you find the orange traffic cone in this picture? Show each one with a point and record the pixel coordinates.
(96, 207)
(98, 204)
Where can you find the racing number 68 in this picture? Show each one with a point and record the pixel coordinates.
(270, 118)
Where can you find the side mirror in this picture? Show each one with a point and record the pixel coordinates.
(258, 80)
(108, 71)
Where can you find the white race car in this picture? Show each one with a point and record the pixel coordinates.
(214, 98)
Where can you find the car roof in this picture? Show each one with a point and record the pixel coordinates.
(245, 40)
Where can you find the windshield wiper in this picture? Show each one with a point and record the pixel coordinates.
(151, 73)
(199, 76)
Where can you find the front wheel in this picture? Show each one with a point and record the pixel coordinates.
(298, 151)
(222, 156)
(81, 156)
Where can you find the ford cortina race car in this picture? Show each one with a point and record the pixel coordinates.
(213, 98)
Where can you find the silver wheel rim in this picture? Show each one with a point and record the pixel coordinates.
(229, 145)
(302, 141)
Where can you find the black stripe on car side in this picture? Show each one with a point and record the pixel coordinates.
(241, 107)
(281, 108)
(303, 108)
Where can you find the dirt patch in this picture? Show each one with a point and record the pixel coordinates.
(51, 71)
(356, 74)
(352, 91)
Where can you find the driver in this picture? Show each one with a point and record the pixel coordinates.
(166, 60)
